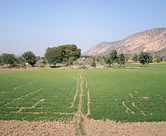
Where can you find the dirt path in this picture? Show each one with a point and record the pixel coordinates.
(75, 96)
(88, 95)
(79, 117)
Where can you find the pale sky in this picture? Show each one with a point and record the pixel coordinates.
(34, 25)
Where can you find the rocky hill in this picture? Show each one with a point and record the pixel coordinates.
(153, 40)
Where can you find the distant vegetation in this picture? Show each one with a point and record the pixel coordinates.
(66, 54)
(69, 54)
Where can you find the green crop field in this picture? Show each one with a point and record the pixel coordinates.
(38, 94)
(120, 94)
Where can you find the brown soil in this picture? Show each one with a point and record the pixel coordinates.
(111, 128)
(91, 128)
(135, 91)
(25, 128)
(131, 95)
(145, 97)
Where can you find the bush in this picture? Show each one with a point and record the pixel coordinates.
(93, 64)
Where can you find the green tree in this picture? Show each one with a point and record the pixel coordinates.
(70, 52)
(112, 58)
(21, 61)
(159, 59)
(8, 59)
(29, 57)
(1, 63)
(145, 58)
(54, 55)
(135, 58)
(121, 59)
(64, 53)
(44, 62)
(93, 64)
(108, 60)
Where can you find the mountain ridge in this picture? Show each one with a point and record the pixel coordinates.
(152, 40)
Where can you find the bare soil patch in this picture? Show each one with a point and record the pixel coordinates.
(25, 128)
(91, 128)
(112, 128)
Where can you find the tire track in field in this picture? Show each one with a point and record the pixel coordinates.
(15, 99)
(25, 84)
(58, 113)
(79, 117)
(20, 86)
(33, 106)
(131, 95)
(161, 98)
(133, 104)
(88, 94)
(127, 108)
(75, 96)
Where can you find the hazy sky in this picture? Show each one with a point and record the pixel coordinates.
(34, 25)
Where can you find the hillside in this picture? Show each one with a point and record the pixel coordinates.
(153, 40)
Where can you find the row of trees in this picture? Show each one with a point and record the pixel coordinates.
(157, 59)
(144, 58)
(64, 53)
(11, 60)
(114, 57)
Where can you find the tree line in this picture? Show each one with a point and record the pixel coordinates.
(64, 53)
(143, 58)
(69, 53)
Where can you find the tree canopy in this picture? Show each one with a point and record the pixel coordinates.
(121, 59)
(135, 58)
(8, 59)
(29, 57)
(145, 58)
(53, 55)
(111, 58)
(64, 53)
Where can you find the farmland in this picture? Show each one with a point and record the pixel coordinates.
(91, 101)
(126, 95)
(116, 94)
(25, 94)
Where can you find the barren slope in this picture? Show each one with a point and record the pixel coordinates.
(150, 40)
